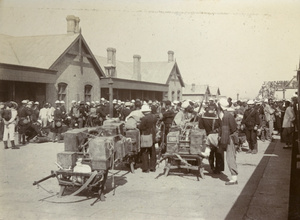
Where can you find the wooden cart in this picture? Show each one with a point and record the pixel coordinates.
(185, 148)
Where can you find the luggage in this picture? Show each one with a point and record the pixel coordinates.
(134, 135)
(198, 139)
(74, 138)
(101, 150)
(67, 159)
(120, 148)
(173, 142)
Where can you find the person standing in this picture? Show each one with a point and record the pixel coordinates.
(9, 118)
(43, 115)
(211, 123)
(288, 125)
(147, 127)
(35, 112)
(227, 132)
(24, 121)
(57, 122)
(167, 118)
(251, 122)
(269, 115)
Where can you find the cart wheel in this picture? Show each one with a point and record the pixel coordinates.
(201, 172)
(167, 169)
(101, 195)
(62, 190)
(132, 167)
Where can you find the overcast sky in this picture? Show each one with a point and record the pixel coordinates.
(235, 45)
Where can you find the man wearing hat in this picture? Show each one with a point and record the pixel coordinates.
(182, 116)
(227, 133)
(9, 116)
(57, 120)
(167, 118)
(24, 121)
(269, 116)
(35, 112)
(148, 127)
(251, 122)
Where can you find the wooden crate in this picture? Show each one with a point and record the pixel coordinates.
(100, 164)
(67, 159)
(134, 135)
(198, 138)
(100, 148)
(73, 138)
(173, 142)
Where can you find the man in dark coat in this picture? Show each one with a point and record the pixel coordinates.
(24, 121)
(227, 134)
(147, 127)
(211, 123)
(251, 122)
(167, 118)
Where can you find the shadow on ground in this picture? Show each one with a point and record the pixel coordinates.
(240, 207)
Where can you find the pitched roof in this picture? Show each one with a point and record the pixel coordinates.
(156, 72)
(34, 51)
(197, 89)
(214, 90)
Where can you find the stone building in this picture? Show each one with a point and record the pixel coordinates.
(63, 67)
(143, 80)
(47, 68)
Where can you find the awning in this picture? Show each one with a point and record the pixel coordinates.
(133, 85)
(27, 74)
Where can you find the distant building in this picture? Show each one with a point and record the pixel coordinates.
(200, 92)
(196, 92)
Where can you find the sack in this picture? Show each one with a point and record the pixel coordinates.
(146, 140)
(213, 139)
(6, 114)
(131, 123)
(58, 124)
(76, 112)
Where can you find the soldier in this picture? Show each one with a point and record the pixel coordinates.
(9, 118)
(24, 121)
(35, 112)
(251, 122)
(57, 121)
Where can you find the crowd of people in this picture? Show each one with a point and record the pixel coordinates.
(228, 124)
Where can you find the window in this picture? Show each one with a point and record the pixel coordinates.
(88, 93)
(178, 95)
(173, 94)
(62, 91)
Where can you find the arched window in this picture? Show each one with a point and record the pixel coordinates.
(62, 91)
(88, 93)
(173, 95)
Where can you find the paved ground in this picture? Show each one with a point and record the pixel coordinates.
(262, 192)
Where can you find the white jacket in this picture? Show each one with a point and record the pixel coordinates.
(289, 117)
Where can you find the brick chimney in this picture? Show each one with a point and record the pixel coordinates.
(111, 61)
(170, 56)
(193, 87)
(137, 67)
(72, 24)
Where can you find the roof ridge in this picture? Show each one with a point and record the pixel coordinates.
(49, 35)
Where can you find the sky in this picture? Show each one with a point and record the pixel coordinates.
(234, 45)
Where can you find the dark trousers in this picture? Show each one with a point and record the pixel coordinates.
(216, 155)
(251, 136)
(148, 156)
(1, 129)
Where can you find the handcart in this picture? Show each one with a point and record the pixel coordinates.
(92, 182)
(185, 147)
